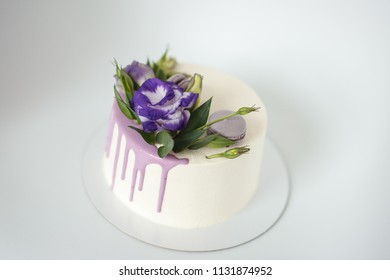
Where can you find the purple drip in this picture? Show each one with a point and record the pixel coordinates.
(109, 138)
(124, 167)
(144, 153)
(118, 144)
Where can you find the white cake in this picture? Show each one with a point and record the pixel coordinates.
(188, 190)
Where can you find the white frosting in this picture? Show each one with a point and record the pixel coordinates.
(205, 191)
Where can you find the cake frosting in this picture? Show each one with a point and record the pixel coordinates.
(186, 189)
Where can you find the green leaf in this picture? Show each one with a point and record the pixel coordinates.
(201, 142)
(149, 63)
(163, 68)
(126, 81)
(220, 141)
(199, 116)
(164, 56)
(159, 72)
(185, 139)
(117, 69)
(165, 139)
(122, 105)
(148, 137)
(128, 85)
(125, 108)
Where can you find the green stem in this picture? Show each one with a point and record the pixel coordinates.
(215, 156)
(218, 120)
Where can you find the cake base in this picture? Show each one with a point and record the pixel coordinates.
(265, 209)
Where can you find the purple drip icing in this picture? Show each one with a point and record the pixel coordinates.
(145, 154)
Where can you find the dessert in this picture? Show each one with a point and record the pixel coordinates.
(173, 155)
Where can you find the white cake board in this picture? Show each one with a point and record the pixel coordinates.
(258, 217)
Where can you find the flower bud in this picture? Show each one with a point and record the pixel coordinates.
(176, 78)
(231, 153)
(167, 64)
(184, 83)
(139, 72)
(195, 84)
(180, 79)
(247, 110)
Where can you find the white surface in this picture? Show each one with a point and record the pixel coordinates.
(321, 67)
(263, 211)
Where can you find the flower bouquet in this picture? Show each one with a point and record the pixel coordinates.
(167, 112)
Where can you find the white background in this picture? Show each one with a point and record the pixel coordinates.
(321, 67)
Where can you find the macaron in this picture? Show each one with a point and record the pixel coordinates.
(233, 128)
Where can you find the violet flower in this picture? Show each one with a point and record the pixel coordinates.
(180, 79)
(162, 105)
(139, 72)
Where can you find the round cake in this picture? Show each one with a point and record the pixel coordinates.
(190, 188)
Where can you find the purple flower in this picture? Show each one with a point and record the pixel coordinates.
(139, 72)
(162, 105)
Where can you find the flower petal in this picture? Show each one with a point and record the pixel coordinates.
(188, 99)
(152, 113)
(175, 123)
(157, 91)
(161, 105)
(139, 72)
(149, 126)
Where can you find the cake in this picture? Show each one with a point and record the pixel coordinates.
(187, 187)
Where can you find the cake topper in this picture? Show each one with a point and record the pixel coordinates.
(166, 110)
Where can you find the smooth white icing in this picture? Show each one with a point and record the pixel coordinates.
(205, 191)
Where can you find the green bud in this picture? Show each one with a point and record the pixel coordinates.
(195, 84)
(166, 63)
(247, 110)
(231, 153)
